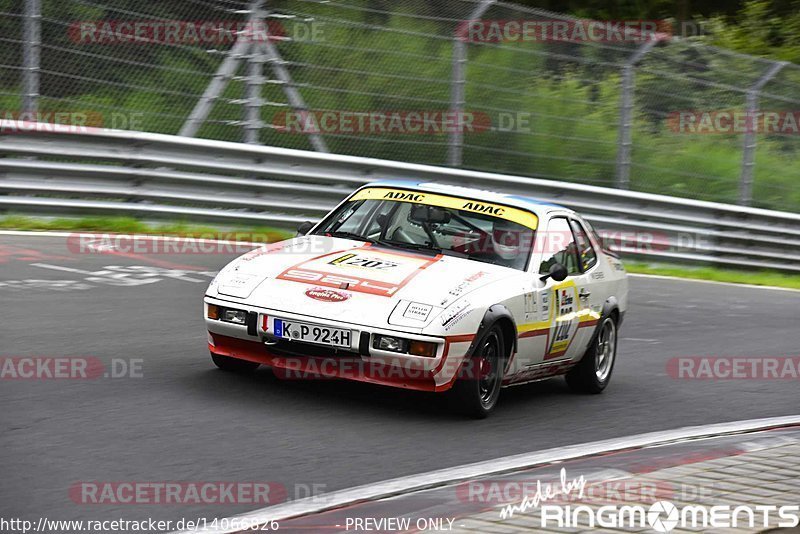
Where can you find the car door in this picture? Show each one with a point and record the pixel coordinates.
(568, 299)
(553, 331)
(593, 287)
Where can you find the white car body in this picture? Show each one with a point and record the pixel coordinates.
(437, 298)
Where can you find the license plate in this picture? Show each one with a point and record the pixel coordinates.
(312, 333)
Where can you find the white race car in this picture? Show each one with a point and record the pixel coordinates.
(427, 287)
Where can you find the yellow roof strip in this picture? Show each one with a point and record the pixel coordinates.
(525, 218)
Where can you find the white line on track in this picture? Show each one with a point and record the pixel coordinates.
(443, 477)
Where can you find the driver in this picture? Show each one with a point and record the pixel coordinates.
(507, 242)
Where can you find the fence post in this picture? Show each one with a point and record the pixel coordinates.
(458, 80)
(252, 106)
(749, 143)
(31, 48)
(294, 97)
(225, 72)
(255, 81)
(628, 86)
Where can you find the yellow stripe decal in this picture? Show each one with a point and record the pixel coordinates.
(525, 218)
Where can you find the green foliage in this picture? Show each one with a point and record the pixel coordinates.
(570, 94)
(760, 29)
(758, 278)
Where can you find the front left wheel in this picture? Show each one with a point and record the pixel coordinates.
(478, 388)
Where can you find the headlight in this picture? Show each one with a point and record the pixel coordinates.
(392, 344)
(226, 315)
(405, 346)
(234, 316)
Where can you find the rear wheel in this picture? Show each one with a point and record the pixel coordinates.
(593, 372)
(477, 390)
(226, 363)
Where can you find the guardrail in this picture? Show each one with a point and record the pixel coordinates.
(156, 176)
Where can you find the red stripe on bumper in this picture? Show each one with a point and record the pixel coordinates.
(310, 368)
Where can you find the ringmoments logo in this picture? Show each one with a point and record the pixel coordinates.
(664, 516)
(559, 505)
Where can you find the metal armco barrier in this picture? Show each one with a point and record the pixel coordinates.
(158, 176)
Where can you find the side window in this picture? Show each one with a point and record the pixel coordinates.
(560, 247)
(586, 253)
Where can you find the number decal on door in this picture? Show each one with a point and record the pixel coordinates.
(565, 299)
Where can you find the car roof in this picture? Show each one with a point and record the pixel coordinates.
(539, 207)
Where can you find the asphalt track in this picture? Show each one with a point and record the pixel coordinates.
(183, 420)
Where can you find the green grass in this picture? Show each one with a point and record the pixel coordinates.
(129, 225)
(758, 278)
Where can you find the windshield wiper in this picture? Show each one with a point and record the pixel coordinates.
(351, 235)
(420, 247)
(398, 244)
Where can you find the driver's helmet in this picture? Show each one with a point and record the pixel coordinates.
(506, 239)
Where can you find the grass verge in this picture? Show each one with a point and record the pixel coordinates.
(758, 278)
(129, 225)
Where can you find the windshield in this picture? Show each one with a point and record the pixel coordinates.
(479, 231)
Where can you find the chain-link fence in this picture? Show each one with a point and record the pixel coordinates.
(474, 83)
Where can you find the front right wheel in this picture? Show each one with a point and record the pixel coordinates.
(593, 372)
(478, 388)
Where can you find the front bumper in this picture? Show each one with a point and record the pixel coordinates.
(298, 361)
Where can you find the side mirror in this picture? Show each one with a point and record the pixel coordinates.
(304, 228)
(557, 272)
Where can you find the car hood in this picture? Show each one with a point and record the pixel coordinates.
(352, 281)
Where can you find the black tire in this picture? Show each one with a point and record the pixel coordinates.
(477, 389)
(593, 372)
(234, 365)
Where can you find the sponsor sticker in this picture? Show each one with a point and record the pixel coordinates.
(374, 272)
(454, 315)
(418, 311)
(360, 261)
(519, 216)
(325, 294)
